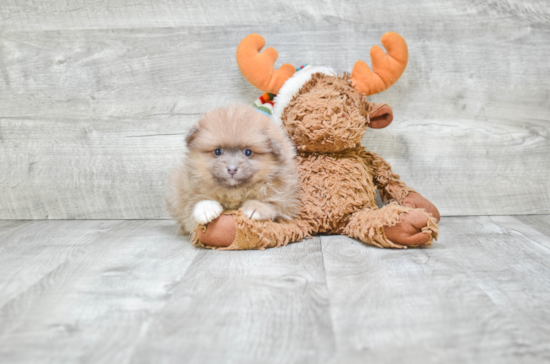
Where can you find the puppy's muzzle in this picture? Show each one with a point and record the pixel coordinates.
(232, 170)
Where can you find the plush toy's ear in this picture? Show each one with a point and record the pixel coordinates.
(381, 117)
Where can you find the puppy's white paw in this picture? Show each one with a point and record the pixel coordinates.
(257, 210)
(206, 211)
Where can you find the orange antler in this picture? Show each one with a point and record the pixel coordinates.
(258, 68)
(386, 68)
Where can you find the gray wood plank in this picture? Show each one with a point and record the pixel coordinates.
(246, 307)
(119, 168)
(470, 133)
(7, 226)
(37, 248)
(79, 14)
(537, 222)
(532, 229)
(85, 290)
(143, 72)
(133, 291)
(481, 294)
(101, 291)
(89, 169)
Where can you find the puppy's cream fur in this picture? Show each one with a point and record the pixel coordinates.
(265, 185)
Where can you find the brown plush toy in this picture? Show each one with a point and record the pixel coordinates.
(325, 115)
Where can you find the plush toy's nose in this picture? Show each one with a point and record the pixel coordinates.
(232, 170)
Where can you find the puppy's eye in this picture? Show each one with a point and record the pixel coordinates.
(247, 152)
(218, 152)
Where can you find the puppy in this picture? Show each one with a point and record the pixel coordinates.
(237, 158)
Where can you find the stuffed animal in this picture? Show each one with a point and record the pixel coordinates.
(325, 115)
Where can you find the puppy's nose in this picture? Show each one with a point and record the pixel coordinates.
(232, 170)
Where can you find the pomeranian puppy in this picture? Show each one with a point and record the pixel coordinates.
(237, 158)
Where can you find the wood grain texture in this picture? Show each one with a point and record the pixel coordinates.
(537, 222)
(102, 14)
(144, 72)
(134, 292)
(249, 307)
(471, 129)
(119, 168)
(73, 98)
(80, 169)
(85, 289)
(6, 226)
(478, 295)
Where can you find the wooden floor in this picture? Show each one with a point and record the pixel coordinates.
(114, 291)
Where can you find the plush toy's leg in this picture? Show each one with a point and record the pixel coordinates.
(235, 231)
(393, 226)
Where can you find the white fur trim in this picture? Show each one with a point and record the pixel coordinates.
(292, 86)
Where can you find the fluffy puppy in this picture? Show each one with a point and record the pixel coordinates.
(237, 158)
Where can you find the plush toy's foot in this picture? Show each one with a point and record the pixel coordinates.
(393, 226)
(417, 201)
(408, 231)
(219, 233)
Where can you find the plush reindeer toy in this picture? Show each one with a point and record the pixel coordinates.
(326, 115)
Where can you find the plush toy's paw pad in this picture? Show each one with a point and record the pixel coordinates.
(219, 233)
(206, 211)
(257, 210)
(409, 229)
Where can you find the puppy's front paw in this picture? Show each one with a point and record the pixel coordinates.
(206, 211)
(257, 210)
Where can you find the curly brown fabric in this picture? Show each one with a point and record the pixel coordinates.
(368, 225)
(326, 121)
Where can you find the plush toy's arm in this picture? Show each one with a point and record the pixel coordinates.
(393, 189)
(234, 231)
(388, 183)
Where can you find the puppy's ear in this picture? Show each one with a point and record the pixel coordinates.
(191, 135)
(275, 147)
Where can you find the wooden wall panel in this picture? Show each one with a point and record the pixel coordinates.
(95, 99)
(76, 169)
(117, 14)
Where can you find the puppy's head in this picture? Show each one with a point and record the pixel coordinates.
(234, 146)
